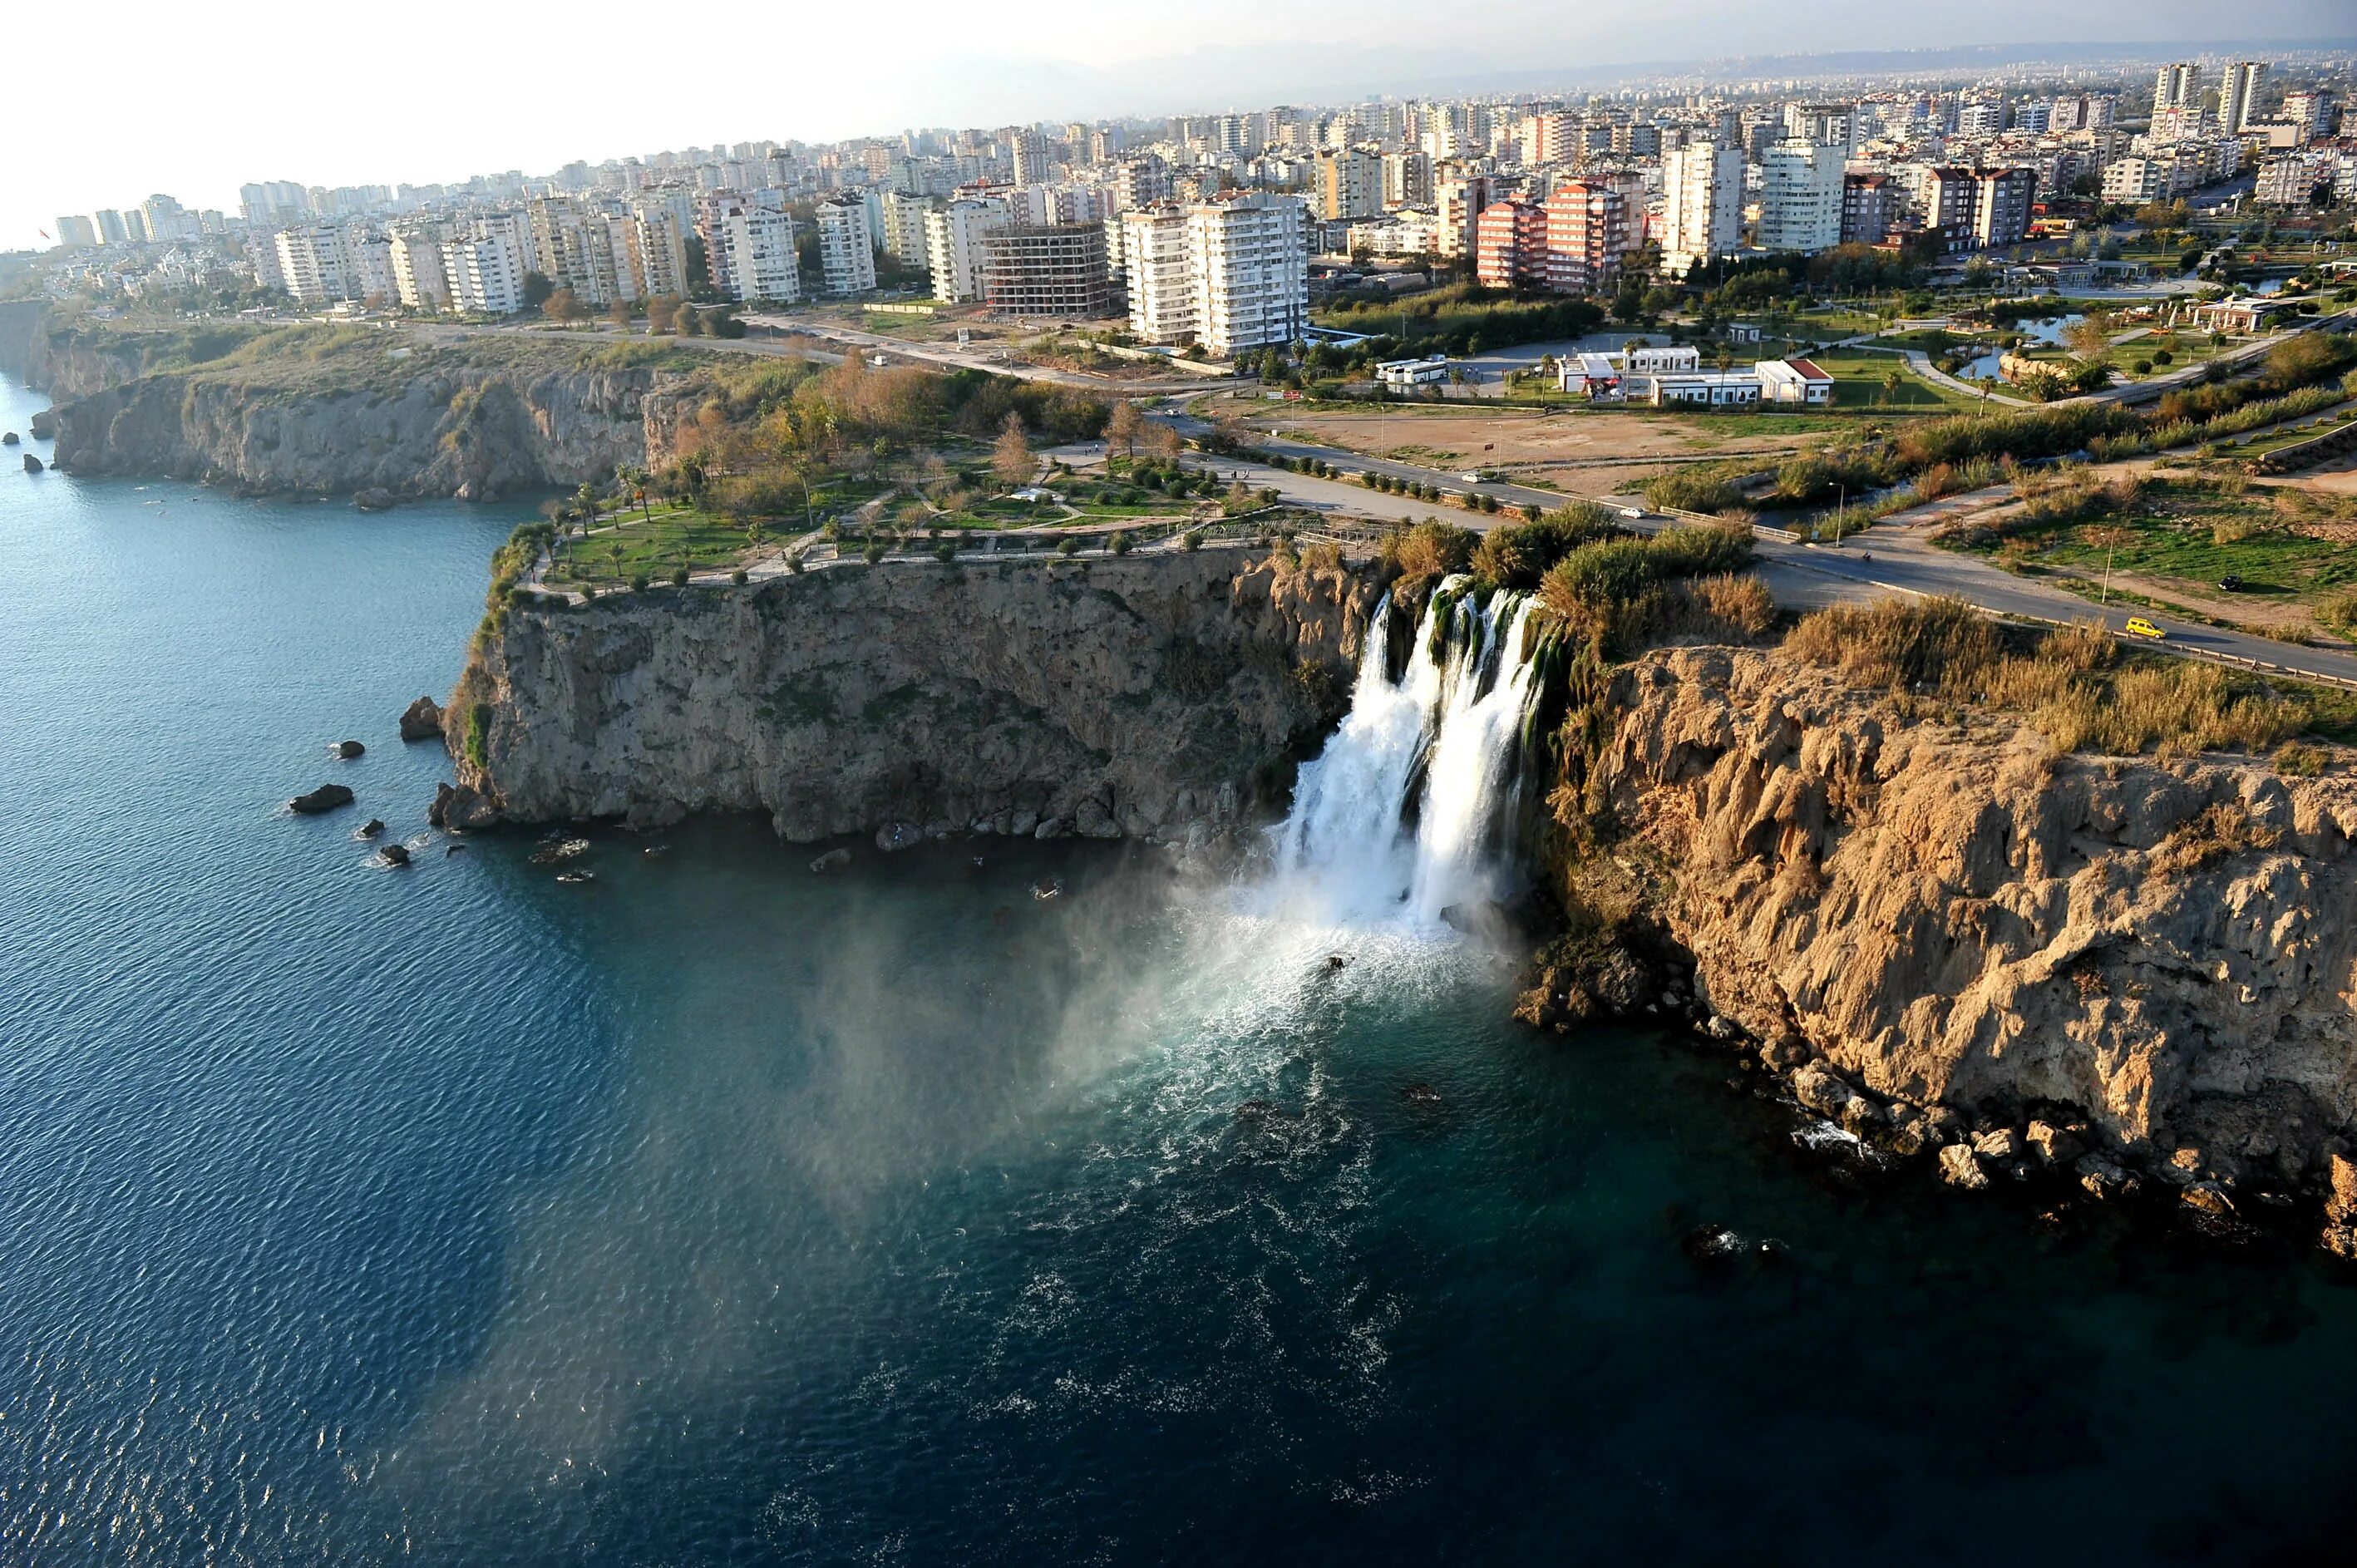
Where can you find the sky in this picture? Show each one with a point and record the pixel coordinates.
(196, 100)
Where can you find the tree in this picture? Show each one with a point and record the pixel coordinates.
(662, 313)
(562, 305)
(536, 288)
(1122, 429)
(1893, 379)
(1011, 457)
(1164, 442)
(620, 315)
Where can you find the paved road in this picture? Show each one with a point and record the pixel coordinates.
(978, 360)
(1892, 559)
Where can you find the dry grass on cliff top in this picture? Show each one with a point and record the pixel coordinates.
(2071, 685)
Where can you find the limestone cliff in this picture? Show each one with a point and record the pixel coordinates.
(1947, 917)
(1147, 695)
(460, 428)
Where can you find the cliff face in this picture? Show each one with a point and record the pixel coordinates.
(451, 429)
(1946, 916)
(22, 325)
(1142, 696)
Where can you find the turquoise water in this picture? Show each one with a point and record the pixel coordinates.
(717, 1213)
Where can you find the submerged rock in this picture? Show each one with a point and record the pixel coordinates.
(370, 829)
(325, 797)
(893, 837)
(422, 720)
(375, 499)
(832, 860)
(395, 855)
(348, 750)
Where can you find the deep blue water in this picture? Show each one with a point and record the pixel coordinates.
(717, 1213)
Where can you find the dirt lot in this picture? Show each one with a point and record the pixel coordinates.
(1579, 451)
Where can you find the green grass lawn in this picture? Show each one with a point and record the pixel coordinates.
(2197, 531)
(1858, 377)
(622, 549)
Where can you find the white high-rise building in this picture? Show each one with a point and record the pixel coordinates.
(846, 245)
(762, 260)
(1156, 265)
(2238, 94)
(486, 271)
(1701, 196)
(904, 227)
(311, 261)
(76, 233)
(1800, 197)
(954, 245)
(1233, 275)
(2176, 86)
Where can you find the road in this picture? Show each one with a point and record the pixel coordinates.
(1896, 558)
(976, 358)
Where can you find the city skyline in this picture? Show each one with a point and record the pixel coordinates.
(432, 130)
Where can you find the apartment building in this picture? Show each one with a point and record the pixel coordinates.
(578, 246)
(1349, 183)
(1870, 208)
(762, 265)
(846, 245)
(1055, 270)
(658, 247)
(1801, 199)
(419, 279)
(1459, 203)
(1232, 275)
(954, 245)
(1701, 196)
(1252, 271)
(76, 233)
(1509, 244)
(1407, 180)
(2176, 86)
(2238, 95)
(485, 271)
(904, 227)
(2001, 205)
(312, 262)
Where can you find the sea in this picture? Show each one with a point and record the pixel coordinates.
(712, 1211)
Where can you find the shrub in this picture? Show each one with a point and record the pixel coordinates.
(1739, 601)
(2163, 357)
(1702, 488)
(1190, 539)
(1432, 548)
(2294, 760)
(1519, 555)
(1067, 547)
(738, 576)
(874, 553)
(945, 553)
(679, 576)
(638, 584)
(1118, 543)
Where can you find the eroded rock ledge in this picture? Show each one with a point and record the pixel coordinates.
(1149, 696)
(1946, 937)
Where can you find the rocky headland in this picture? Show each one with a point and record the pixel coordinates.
(1151, 697)
(1947, 939)
(375, 412)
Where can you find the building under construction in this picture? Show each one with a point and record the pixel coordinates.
(1056, 270)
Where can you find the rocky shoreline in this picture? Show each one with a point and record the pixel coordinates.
(2124, 977)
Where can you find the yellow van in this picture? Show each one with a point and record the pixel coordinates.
(2139, 627)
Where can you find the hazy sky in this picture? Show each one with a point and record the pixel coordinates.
(195, 100)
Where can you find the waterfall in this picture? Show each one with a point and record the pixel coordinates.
(1401, 815)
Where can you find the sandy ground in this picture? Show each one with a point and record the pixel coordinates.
(1532, 444)
(2337, 477)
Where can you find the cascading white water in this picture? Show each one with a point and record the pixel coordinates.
(1442, 741)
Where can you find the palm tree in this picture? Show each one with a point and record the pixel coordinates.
(584, 501)
(1891, 382)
